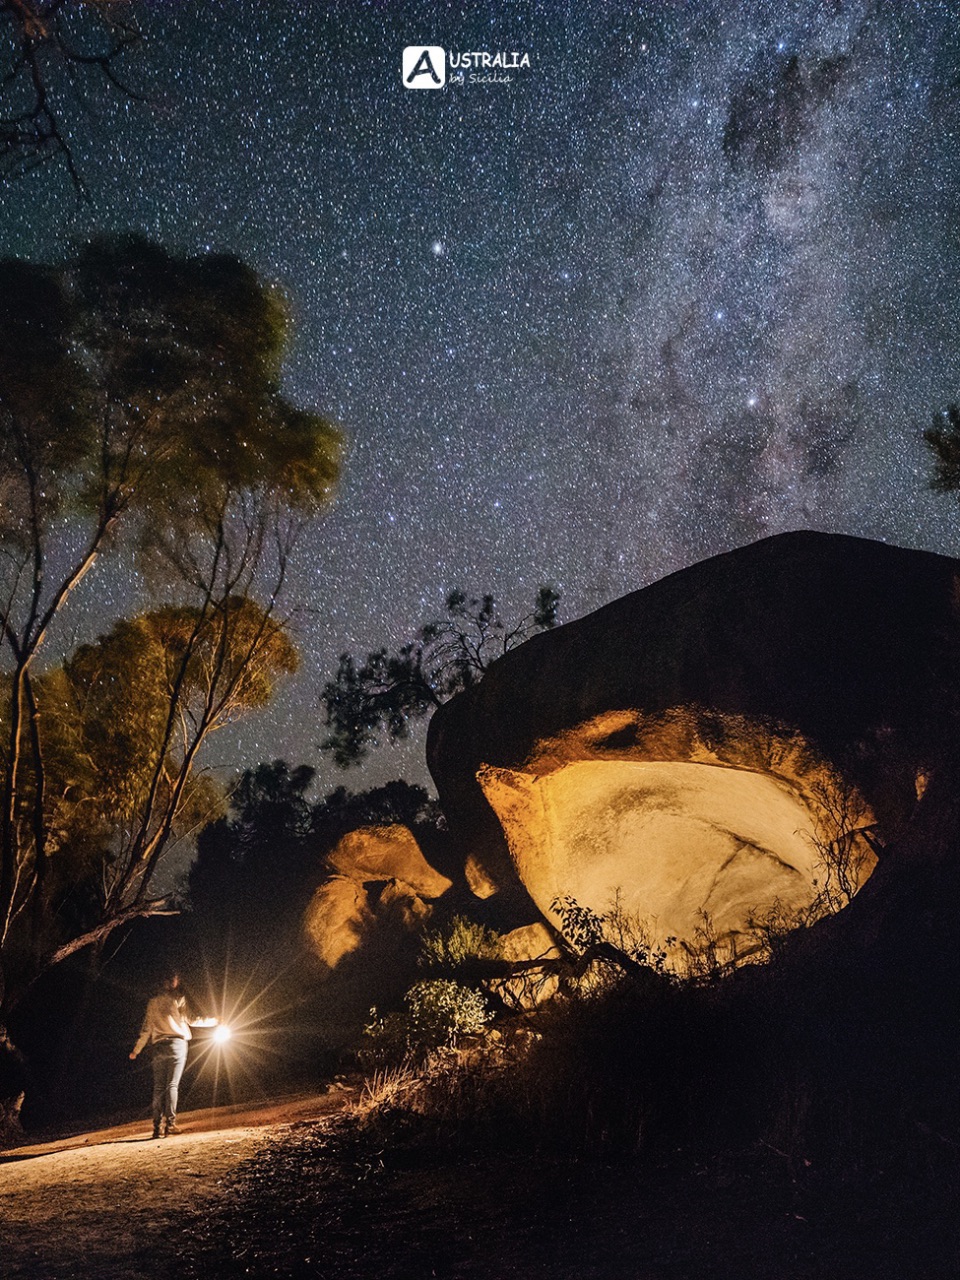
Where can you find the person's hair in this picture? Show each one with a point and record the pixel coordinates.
(168, 979)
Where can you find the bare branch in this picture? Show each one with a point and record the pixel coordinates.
(156, 907)
(55, 47)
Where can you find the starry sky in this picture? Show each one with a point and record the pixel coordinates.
(689, 279)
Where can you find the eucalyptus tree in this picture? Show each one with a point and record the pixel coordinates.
(145, 445)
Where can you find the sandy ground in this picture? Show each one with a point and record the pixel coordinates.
(113, 1203)
(290, 1188)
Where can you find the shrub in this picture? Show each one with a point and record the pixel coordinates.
(442, 1012)
(454, 947)
(616, 935)
(437, 1014)
(385, 1039)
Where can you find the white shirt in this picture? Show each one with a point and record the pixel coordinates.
(165, 1016)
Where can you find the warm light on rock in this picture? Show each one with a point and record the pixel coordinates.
(387, 853)
(686, 743)
(336, 918)
(382, 881)
(674, 839)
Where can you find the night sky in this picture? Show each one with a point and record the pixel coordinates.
(688, 280)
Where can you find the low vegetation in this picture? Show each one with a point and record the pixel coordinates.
(437, 1014)
(818, 1061)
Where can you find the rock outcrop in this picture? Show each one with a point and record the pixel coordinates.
(363, 922)
(382, 887)
(387, 853)
(533, 983)
(701, 744)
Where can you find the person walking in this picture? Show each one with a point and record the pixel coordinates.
(166, 1028)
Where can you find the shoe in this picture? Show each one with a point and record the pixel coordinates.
(171, 1128)
(156, 1131)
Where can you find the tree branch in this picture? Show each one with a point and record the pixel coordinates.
(156, 907)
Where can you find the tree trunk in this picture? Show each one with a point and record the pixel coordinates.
(13, 1080)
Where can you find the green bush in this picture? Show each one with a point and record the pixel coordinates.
(437, 1014)
(442, 1012)
(456, 946)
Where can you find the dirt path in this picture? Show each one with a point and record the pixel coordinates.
(289, 1189)
(112, 1203)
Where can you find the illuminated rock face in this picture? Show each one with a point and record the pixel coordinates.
(691, 744)
(387, 853)
(677, 842)
(381, 890)
(335, 920)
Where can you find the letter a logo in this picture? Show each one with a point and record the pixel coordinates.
(424, 67)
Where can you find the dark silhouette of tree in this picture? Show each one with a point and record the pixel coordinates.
(256, 862)
(394, 802)
(52, 53)
(380, 696)
(942, 438)
(140, 420)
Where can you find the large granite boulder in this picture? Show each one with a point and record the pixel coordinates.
(701, 745)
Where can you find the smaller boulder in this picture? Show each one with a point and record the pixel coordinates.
(336, 920)
(364, 921)
(400, 905)
(529, 942)
(387, 853)
(534, 984)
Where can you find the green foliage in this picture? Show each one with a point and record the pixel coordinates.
(186, 352)
(383, 694)
(141, 415)
(442, 1012)
(437, 1014)
(615, 935)
(456, 946)
(105, 713)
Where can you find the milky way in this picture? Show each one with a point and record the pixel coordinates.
(688, 280)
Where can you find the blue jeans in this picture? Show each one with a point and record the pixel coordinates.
(169, 1059)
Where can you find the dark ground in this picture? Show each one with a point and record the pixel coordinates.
(322, 1203)
(293, 1188)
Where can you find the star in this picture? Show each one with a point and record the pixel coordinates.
(509, 296)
